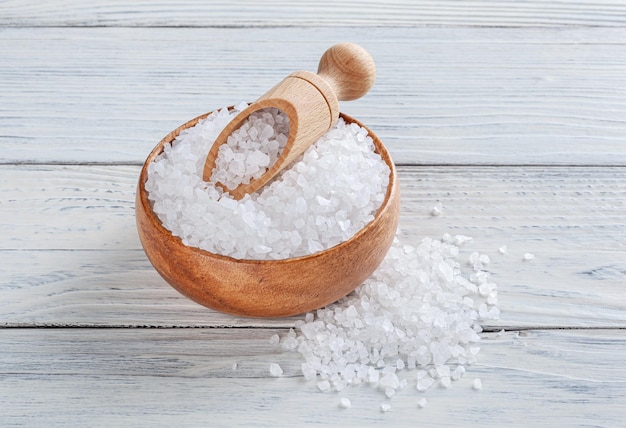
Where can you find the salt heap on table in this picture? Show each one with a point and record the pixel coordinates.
(417, 312)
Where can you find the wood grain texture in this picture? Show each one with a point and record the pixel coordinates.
(510, 114)
(162, 377)
(282, 13)
(488, 96)
(73, 257)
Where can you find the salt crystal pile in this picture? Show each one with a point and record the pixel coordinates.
(252, 148)
(417, 312)
(331, 192)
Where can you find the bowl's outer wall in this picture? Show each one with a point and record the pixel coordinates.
(260, 288)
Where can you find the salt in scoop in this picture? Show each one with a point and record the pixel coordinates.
(345, 72)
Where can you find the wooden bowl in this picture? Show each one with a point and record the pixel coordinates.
(267, 288)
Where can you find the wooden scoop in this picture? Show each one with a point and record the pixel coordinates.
(346, 72)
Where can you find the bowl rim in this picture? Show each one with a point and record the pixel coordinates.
(154, 219)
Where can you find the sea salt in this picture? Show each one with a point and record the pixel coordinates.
(457, 373)
(275, 370)
(418, 311)
(345, 403)
(437, 209)
(477, 384)
(323, 385)
(274, 339)
(332, 191)
(424, 381)
(252, 148)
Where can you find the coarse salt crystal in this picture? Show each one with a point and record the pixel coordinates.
(445, 382)
(461, 239)
(389, 380)
(308, 372)
(290, 343)
(437, 209)
(345, 403)
(457, 373)
(425, 382)
(275, 370)
(442, 371)
(323, 385)
(385, 407)
(528, 256)
(248, 151)
(274, 339)
(477, 384)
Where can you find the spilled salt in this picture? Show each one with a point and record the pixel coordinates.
(477, 384)
(275, 370)
(437, 210)
(345, 403)
(419, 311)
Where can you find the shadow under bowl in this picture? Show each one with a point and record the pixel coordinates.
(267, 288)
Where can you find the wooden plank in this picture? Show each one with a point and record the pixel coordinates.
(569, 219)
(283, 13)
(443, 95)
(72, 256)
(107, 377)
(118, 288)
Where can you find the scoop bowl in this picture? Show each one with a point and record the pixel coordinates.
(267, 288)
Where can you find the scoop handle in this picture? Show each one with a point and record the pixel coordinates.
(346, 72)
(348, 69)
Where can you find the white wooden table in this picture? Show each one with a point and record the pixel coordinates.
(512, 115)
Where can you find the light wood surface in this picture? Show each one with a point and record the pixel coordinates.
(314, 13)
(171, 377)
(511, 115)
